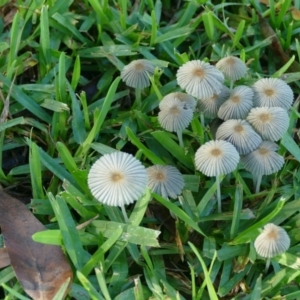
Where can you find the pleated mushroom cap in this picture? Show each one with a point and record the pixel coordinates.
(216, 158)
(240, 134)
(232, 67)
(238, 104)
(183, 97)
(273, 241)
(264, 160)
(166, 181)
(270, 122)
(175, 115)
(117, 179)
(272, 92)
(210, 106)
(200, 79)
(135, 74)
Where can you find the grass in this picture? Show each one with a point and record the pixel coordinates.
(60, 74)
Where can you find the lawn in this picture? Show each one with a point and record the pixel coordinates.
(149, 149)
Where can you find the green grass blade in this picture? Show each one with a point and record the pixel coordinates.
(179, 213)
(36, 173)
(210, 287)
(69, 232)
(99, 118)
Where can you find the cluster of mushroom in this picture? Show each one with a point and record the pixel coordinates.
(253, 118)
(119, 178)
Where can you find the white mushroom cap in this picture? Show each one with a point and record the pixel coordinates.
(232, 67)
(264, 160)
(135, 74)
(240, 134)
(216, 158)
(166, 181)
(238, 105)
(270, 122)
(117, 179)
(175, 115)
(200, 79)
(183, 97)
(272, 241)
(272, 92)
(210, 106)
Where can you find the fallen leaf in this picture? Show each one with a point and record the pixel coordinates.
(41, 269)
(296, 14)
(4, 258)
(268, 33)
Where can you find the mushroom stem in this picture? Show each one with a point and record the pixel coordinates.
(138, 98)
(124, 213)
(202, 119)
(257, 183)
(218, 193)
(267, 264)
(231, 85)
(179, 135)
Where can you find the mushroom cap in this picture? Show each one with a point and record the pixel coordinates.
(272, 92)
(183, 97)
(166, 181)
(200, 79)
(117, 179)
(135, 74)
(175, 115)
(210, 106)
(272, 241)
(240, 134)
(232, 67)
(238, 105)
(216, 158)
(270, 122)
(264, 160)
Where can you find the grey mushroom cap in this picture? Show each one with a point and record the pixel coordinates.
(183, 97)
(216, 158)
(273, 241)
(240, 134)
(272, 92)
(264, 160)
(270, 122)
(166, 181)
(238, 105)
(232, 67)
(200, 79)
(135, 74)
(210, 106)
(175, 115)
(117, 179)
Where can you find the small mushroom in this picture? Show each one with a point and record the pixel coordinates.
(216, 158)
(200, 79)
(272, 92)
(117, 179)
(166, 181)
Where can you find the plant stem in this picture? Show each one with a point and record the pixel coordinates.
(258, 182)
(124, 214)
(179, 135)
(202, 120)
(218, 193)
(267, 264)
(138, 98)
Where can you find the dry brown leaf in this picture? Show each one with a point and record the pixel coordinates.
(268, 33)
(41, 269)
(296, 14)
(4, 258)
(265, 2)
